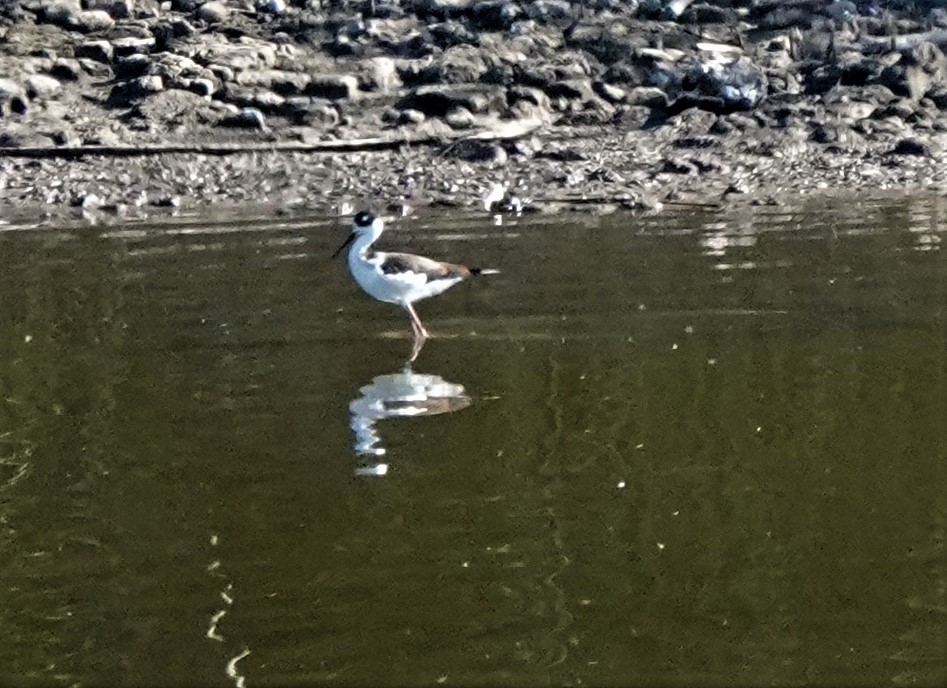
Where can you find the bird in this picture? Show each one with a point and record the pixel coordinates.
(398, 278)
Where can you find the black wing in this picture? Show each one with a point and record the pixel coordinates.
(396, 263)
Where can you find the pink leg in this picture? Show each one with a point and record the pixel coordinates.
(416, 325)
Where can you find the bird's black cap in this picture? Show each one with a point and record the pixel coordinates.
(364, 218)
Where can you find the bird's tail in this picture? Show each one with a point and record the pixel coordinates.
(483, 271)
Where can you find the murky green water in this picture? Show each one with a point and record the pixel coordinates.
(686, 449)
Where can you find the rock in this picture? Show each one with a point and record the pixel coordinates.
(613, 94)
(11, 11)
(882, 129)
(725, 86)
(132, 66)
(781, 14)
(271, 6)
(917, 70)
(479, 151)
(565, 154)
(911, 146)
(733, 122)
(280, 81)
(213, 12)
(177, 70)
(588, 112)
(100, 51)
(122, 9)
(608, 44)
(203, 87)
(94, 69)
(466, 64)
(149, 84)
(223, 73)
(297, 108)
(333, 86)
(533, 96)
(133, 45)
(66, 70)
(901, 109)
(65, 137)
(444, 9)
(117, 9)
(164, 37)
(382, 75)
(410, 116)
(93, 20)
(448, 34)
(41, 86)
(841, 10)
(572, 89)
(460, 118)
(678, 166)
(696, 142)
(134, 90)
(247, 118)
(173, 108)
(458, 65)
(846, 106)
(524, 102)
(706, 13)
(674, 8)
(495, 15)
(308, 111)
(500, 74)
(253, 98)
(548, 11)
(437, 101)
(12, 98)
(169, 201)
(243, 54)
(60, 12)
(86, 201)
(649, 96)
(826, 133)
(343, 46)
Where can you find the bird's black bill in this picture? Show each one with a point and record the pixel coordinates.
(343, 246)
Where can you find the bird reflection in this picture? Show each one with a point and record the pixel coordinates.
(399, 395)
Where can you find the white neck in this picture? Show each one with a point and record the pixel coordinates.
(365, 238)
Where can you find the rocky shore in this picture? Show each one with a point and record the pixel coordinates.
(128, 106)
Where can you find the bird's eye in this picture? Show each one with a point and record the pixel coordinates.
(363, 219)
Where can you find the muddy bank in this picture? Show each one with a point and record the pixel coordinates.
(129, 106)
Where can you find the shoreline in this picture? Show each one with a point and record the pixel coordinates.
(443, 103)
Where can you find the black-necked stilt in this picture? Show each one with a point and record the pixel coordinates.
(398, 278)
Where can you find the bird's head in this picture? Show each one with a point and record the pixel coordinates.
(365, 223)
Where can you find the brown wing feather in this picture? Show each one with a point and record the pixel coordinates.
(395, 263)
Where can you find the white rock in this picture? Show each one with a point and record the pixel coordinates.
(213, 12)
(94, 20)
(41, 86)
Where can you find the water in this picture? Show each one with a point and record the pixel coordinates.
(694, 448)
